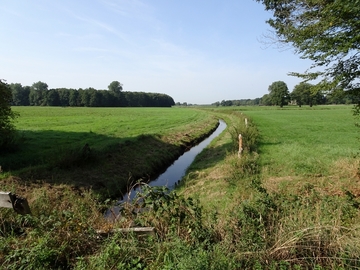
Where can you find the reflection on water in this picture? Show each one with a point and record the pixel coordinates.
(177, 170)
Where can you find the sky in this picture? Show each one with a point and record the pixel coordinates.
(196, 51)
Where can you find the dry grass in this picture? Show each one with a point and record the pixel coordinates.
(344, 176)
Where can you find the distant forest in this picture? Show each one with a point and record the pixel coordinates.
(301, 95)
(39, 95)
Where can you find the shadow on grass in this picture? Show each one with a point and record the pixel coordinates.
(87, 160)
(39, 148)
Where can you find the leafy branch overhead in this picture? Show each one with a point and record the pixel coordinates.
(326, 32)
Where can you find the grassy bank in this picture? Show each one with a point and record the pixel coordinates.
(265, 210)
(294, 202)
(101, 148)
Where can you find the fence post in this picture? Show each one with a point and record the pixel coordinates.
(246, 122)
(240, 146)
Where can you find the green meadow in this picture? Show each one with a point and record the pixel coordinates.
(103, 148)
(305, 141)
(318, 145)
(48, 129)
(290, 201)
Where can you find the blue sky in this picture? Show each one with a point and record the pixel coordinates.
(198, 51)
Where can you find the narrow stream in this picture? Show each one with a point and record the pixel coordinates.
(176, 171)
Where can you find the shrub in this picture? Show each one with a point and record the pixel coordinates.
(7, 129)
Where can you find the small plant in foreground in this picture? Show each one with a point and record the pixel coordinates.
(170, 214)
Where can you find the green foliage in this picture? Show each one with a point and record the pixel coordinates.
(170, 214)
(303, 95)
(279, 93)
(326, 32)
(266, 100)
(183, 240)
(20, 94)
(7, 116)
(249, 132)
(115, 87)
(39, 95)
(117, 252)
(245, 167)
(55, 234)
(256, 218)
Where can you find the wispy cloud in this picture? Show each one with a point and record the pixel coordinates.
(130, 8)
(106, 27)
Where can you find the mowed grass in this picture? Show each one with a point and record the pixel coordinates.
(295, 201)
(316, 146)
(114, 122)
(46, 132)
(304, 141)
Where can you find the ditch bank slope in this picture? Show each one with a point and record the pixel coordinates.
(109, 173)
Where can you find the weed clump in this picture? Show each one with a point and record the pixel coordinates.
(62, 227)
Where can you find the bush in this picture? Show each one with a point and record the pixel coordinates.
(7, 129)
(248, 131)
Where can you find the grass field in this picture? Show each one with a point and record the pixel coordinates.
(51, 130)
(309, 144)
(304, 140)
(290, 202)
(295, 200)
(125, 144)
(319, 145)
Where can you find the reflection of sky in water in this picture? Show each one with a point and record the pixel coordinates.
(177, 170)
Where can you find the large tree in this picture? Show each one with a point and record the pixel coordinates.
(7, 129)
(279, 93)
(325, 31)
(38, 93)
(303, 95)
(115, 87)
(20, 94)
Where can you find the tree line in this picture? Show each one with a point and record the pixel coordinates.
(303, 94)
(39, 95)
(327, 33)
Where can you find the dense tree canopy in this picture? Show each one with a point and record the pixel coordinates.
(7, 130)
(115, 87)
(279, 93)
(303, 95)
(20, 94)
(39, 95)
(325, 31)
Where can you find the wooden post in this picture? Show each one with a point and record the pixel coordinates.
(139, 231)
(240, 146)
(10, 200)
(246, 122)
